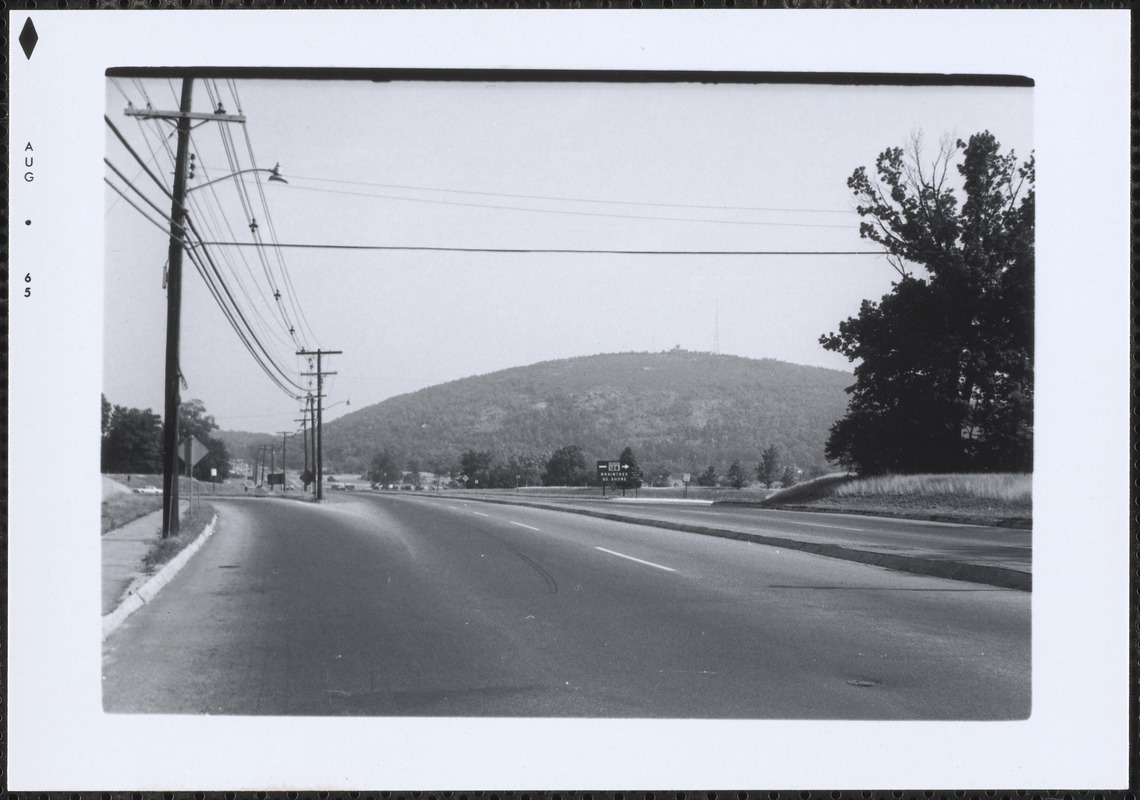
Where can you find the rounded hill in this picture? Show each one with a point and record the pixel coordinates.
(679, 409)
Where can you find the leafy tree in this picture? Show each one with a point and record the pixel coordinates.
(383, 469)
(566, 467)
(476, 465)
(634, 480)
(133, 442)
(769, 466)
(788, 478)
(194, 421)
(708, 477)
(105, 427)
(736, 476)
(659, 475)
(945, 374)
(413, 474)
(523, 470)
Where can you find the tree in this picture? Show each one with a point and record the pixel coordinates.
(788, 478)
(476, 466)
(414, 477)
(708, 477)
(769, 466)
(194, 421)
(105, 428)
(566, 467)
(633, 471)
(133, 442)
(736, 476)
(944, 380)
(659, 475)
(382, 469)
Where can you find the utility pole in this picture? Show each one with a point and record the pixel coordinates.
(272, 465)
(320, 383)
(173, 322)
(304, 420)
(284, 437)
(173, 374)
(313, 436)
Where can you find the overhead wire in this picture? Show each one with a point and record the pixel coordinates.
(574, 199)
(199, 254)
(287, 280)
(568, 212)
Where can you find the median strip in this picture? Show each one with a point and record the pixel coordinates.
(638, 560)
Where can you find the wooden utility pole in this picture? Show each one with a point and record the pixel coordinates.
(284, 438)
(173, 322)
(173, 375)
(320, 384)
(304, 420)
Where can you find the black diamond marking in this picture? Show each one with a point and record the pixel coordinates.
(28, 38)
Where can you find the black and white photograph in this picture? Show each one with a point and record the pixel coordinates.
(516, 281)
(549, 409)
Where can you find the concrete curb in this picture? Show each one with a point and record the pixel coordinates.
(971, 573)
(145, 593)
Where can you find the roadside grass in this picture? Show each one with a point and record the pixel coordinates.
(189, 530)
(1007, 487)
(120, 509)
(998, 498)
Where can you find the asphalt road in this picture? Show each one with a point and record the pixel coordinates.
(976, 544)
(390, 605)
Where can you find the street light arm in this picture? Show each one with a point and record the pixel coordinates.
(274, 175)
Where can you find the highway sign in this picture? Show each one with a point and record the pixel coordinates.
(612, 472)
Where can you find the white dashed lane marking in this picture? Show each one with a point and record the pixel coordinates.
(638, 560)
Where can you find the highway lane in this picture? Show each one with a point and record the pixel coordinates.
(399, 605)
(977, 544)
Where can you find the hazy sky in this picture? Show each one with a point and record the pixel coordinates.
(508, 165)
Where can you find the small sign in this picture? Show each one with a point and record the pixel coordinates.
(275, 478)
(688, 476)
(213, 472)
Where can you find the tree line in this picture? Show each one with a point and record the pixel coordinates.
(131, 440)
(569, 466)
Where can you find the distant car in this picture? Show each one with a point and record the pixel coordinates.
(148, 490)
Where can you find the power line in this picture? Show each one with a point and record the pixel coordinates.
(496, 207)
(572, 199)
(561, 250)
(598, 251)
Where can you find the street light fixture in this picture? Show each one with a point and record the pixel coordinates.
(274, 176)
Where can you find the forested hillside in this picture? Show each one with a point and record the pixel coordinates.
(678, 410)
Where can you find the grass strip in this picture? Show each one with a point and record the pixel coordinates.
(166, 549)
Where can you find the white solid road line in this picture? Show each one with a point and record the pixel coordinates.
(528, 527)
(638, 560)
(480, 513)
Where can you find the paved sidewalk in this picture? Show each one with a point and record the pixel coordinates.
(124, 549)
